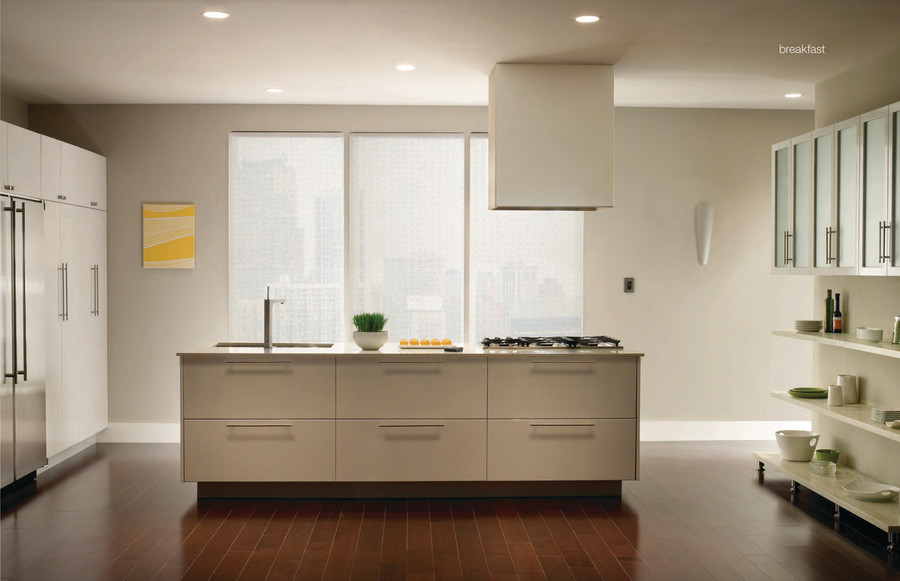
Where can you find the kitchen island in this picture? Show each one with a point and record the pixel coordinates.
(338, 421)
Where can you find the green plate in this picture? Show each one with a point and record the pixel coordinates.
(809, 392)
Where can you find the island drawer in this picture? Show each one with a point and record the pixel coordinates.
(413, 386)
(562, 386)
(258, 450)
(593, 449)
(262, 387)
(411, 451)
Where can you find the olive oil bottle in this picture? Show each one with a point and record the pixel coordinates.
(829, 313)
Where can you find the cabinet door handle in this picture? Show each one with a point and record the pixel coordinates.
(564, 361)
(410, 425)
(65, 271)
(887, 241)
(61, 197)
(790, 250)
(881, 241)
(9, 188)
(259, 425)
(561, 425)
(96, 290)
(410, 363)
(94, 204)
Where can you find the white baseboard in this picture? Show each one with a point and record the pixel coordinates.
(141, 433)
(690, 431)
(651, 431)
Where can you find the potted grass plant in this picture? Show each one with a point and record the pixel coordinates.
(370, 334)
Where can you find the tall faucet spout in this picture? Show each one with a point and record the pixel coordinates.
(267, 319)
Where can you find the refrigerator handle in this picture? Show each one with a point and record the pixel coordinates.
(12, 281)
(24, 371)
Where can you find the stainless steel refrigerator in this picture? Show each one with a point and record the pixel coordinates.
(23, 435)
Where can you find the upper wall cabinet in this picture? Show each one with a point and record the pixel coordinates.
(551, 136)
(835, 158)
(20, 161)
(874, 200)
(836, 198)
(792, 204)
(76, 176)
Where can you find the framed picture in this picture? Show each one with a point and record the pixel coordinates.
(168, 235)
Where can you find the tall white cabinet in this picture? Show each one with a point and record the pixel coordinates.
(75, 271)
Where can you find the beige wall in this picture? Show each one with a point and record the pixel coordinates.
(865, 301)
(859, 90)
(706, 330)
(13, 110)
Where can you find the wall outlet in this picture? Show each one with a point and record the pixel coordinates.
(629, 285)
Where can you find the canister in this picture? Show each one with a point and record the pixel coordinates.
(895, 338)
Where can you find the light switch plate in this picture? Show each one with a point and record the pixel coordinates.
(629, 285)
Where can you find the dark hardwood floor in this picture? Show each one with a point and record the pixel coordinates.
(699, 512)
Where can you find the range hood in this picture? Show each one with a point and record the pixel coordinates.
(551, 137)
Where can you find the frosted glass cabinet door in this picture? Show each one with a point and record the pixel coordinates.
(893, 236)
(823, 196)
(874, 201)
(846, 245)
(801, 254)
(781, 204)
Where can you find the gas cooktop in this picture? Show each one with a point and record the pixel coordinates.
(593, 342)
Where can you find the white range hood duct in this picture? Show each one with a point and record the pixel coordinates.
(551, 137)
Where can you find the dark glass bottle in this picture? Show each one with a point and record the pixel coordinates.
(837, 319)
(829, 312)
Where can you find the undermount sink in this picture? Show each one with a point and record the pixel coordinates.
(275, 345)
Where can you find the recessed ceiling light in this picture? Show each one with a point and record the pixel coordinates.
(216, 15)
(587, 18)
(793, 95)
(274, 90)
(405, 67)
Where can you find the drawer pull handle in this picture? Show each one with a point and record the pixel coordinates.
(256, 362)
(563, 425)
(564, 361)
(259, 425)
(411, 425)
(410, 362)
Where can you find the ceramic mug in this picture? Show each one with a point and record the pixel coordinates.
(848, 388)
(835, 395)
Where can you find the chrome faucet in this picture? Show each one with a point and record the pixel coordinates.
(267, 319)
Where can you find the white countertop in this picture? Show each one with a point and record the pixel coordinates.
(345, 349)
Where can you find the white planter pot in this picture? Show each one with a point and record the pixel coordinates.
(370, 341)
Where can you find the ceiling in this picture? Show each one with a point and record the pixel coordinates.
(670, 53)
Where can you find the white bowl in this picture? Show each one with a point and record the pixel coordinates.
(370, 341)
(869, 334)
(873, 491)
(796, 445)
(823, 467)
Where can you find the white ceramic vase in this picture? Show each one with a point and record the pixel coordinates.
(370, 341)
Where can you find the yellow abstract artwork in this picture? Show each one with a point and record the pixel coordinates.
(168, 235)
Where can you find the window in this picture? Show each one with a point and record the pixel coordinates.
(406, 221)
(287, 233)
(526, 266)
(407, 195)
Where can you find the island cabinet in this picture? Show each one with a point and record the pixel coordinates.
(411, 419)
(566, 418)
(258, 419)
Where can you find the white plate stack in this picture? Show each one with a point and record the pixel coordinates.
(807, 326)
(881, 416)
(869, 334)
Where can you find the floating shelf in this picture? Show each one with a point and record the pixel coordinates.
(857, 415)
(883, 515)
(845, 341)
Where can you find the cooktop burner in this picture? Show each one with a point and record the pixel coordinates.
(593, 342)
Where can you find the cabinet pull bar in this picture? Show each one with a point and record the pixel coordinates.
(564, 361)
(410, 363)
(410, 425)
(887, 241)
(790, 253)
(563, 425)
(259, 425)
(257, 362)
(65, 269)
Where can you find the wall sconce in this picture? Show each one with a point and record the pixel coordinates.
(703, 226)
